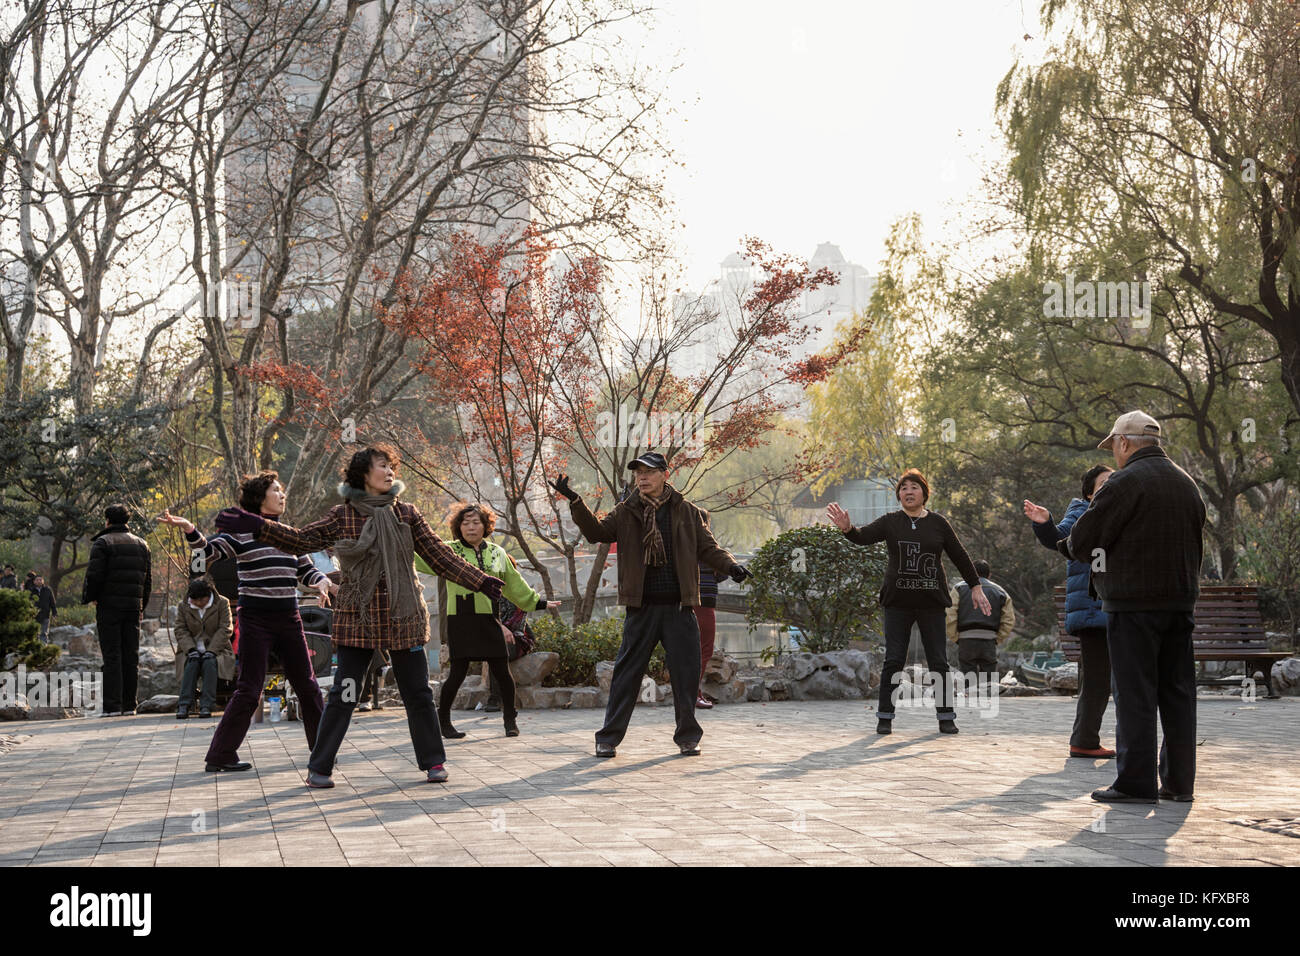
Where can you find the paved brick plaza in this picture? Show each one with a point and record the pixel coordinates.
(781, 783)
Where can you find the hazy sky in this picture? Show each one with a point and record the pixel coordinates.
(825, 120)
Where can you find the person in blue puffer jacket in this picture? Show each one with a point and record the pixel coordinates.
(1084, 619)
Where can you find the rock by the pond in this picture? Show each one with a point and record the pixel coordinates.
(11, 661)
(720, 669)
(157, 680)
(835, 675)
(158, 704)
(584, 697)
(732, 692)
(15, 709)
(1065, 677)
(1286, 676)
(776, 689)
(534, 668)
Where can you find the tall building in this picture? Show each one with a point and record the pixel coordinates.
(721, 304)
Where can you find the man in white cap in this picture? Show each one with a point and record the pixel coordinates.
(1142, 535)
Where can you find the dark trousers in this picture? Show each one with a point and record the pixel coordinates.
(119, 642)
(1152, 671)
(494, 685)
(675, 627)
(503, 687)
(707, 618)
(978, 656)
(193, 666)
(1094, 688)
(411, 669)
(898, 633)
(261, 632)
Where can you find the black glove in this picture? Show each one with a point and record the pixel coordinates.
(492, 588)
(193, 655)
(561, 484)
(738, 573)
(207, 654)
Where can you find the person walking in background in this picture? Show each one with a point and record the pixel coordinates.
(475, 623)
(1144, 531)
(268, 617)
(45, 608)
(915, 590)
(707, 619)
(203, 632)
(1084, 619)
(978, 634)
(662, 539)
(375, 536)
(9, 579)
(119, 579)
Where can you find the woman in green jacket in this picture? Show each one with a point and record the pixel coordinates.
(475, 631)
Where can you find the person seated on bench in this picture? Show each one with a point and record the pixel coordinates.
(202, 646)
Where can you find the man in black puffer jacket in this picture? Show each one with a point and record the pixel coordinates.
(1141, 537)
(118, 583)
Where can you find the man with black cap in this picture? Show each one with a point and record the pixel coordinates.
(662, 538)
(118, 582)
(1142, 537)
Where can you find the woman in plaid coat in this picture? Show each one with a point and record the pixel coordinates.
(379, 605)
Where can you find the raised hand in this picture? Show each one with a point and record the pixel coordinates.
(561, 484)
(1036, 513)
(839, 517)
(183, 523)
(492, 587)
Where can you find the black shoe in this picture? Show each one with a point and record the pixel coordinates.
(449, 732)
(1176, 797)
(948, 727)
(182, 713)
(205, 713)
(228, 767)
(604, 750)
(512, 729)
(884, 726)
(690, 750)
(492, 707)
(1111, 795)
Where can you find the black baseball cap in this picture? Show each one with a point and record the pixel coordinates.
(651, 459)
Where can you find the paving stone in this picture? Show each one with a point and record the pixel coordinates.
(782, 784)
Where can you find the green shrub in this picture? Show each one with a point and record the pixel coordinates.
(75, 615)
(20, 633)
(581, 647)
(819, 581)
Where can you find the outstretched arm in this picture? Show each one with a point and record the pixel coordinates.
(316, 536)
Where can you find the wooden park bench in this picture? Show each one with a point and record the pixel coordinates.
(1228, 628)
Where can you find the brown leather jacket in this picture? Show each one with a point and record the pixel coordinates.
(692, 544)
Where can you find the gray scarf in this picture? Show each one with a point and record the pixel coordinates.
(385, 549)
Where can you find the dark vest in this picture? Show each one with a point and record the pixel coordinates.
(969, 617)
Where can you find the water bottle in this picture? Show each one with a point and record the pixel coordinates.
(275, 709)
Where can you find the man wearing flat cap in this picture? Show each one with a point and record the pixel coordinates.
(1142, 535)
(662, 539)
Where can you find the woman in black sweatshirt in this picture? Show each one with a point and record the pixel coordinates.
(915, 589)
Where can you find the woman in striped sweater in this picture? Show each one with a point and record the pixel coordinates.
(268, 618)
